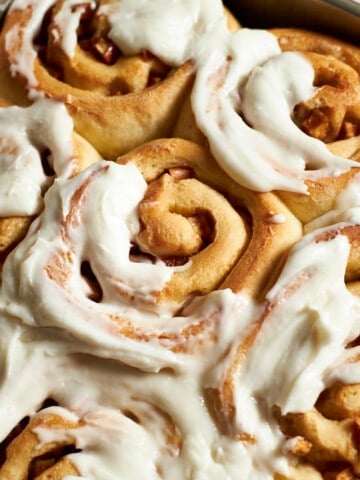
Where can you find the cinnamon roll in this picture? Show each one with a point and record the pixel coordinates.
(116, 102)
(120, 92)
(270, 229)
(327, 442)
(332, 115)
(124, 417)
(252, 111)
(31, 154)
(85, 436)
(123, 257)
(26, 457)
(185, 303)
(57, 443)
(279, 370)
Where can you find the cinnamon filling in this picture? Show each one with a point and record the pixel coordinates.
(333, 113)
(95, 291)
(12, 435)
(94, 43)
(327, 437)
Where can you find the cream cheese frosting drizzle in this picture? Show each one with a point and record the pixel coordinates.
(169, 30)
(244, 94)
(26, 135)
(346, 211)
(308, 318)
(245, 88)
(125, 321)
(113, 414)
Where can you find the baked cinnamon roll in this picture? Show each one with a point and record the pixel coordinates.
(332, 115)
(284, 369)
(126, 416)
(32, 153)
(190, 305)
(162, 248)
(260, 114)
(270, 231)
(120, 94)
(57, 443)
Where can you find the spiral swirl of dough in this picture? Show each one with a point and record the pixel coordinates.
(116, 102)
(317, 328)
(331, 115)
(55, 439)
(120, 275)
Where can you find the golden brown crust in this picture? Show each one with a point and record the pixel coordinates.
(113, 121)
(267, 240)
(332, 115)
(296, 39)
(186, 126)
(14, 228)
(25, 454)
(332, 447)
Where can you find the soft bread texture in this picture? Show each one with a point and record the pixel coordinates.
(332, 115)
(264, 241)
(115, 121)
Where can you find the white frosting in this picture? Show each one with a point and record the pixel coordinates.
(22, 61)
(102, 429)
(271, 373)
(345, 210)
(267, 151)
(245, 88)
(292, 378)
(101, 392)
(132, 373)
(306, 321)
(66, 22)
(244, 106)
(109, 398)
(169, 30)
(346, 207)
(24, 134)
(48, 265)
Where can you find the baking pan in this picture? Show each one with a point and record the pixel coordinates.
(337, 17)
